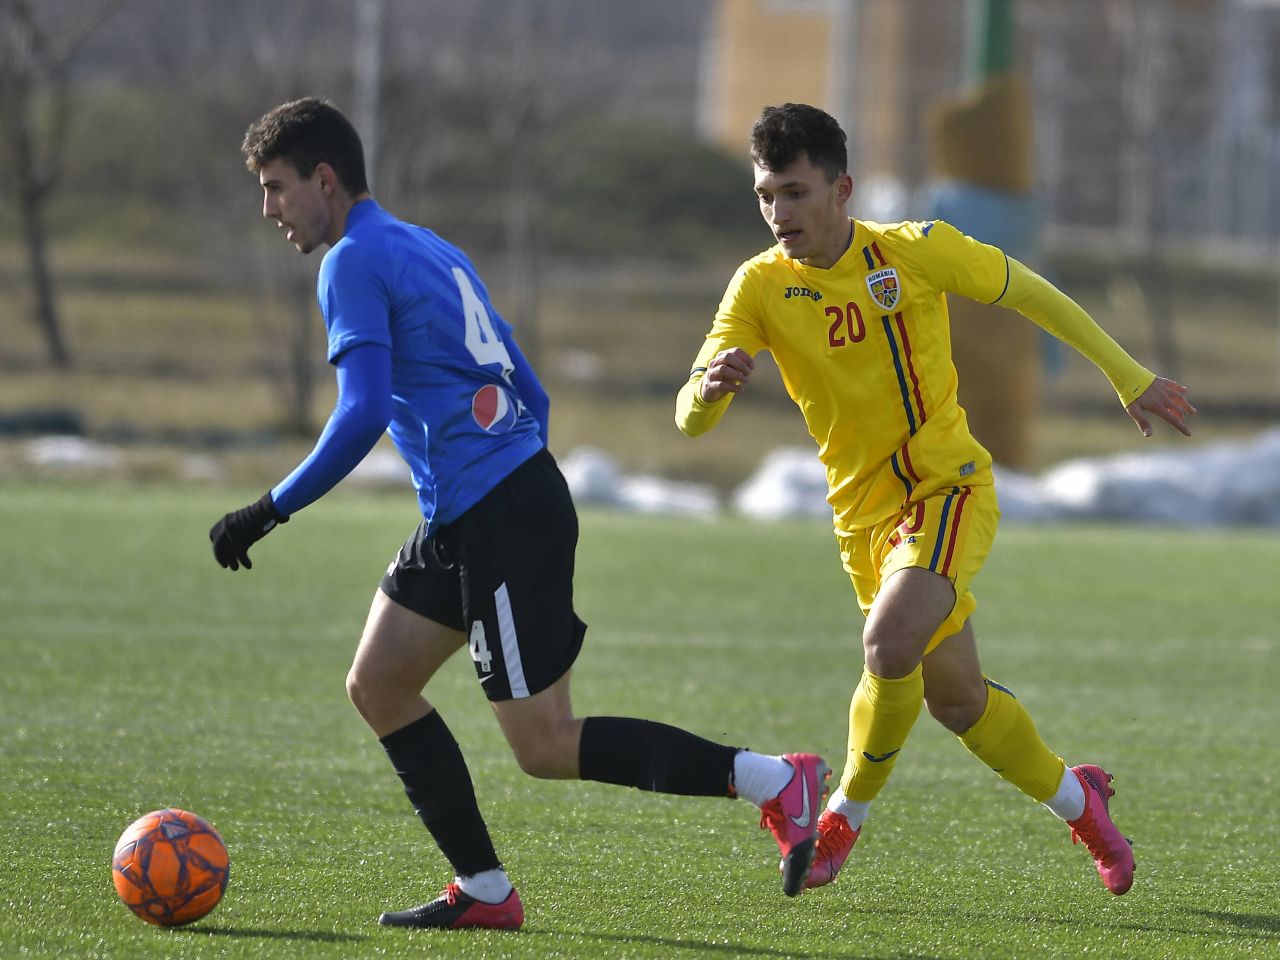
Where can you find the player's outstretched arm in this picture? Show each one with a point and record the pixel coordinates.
(361, 414)
(1167, 400)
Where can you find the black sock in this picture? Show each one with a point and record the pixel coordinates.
(654, 756)
(436, 781)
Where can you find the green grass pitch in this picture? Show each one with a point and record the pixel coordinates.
(135, 674)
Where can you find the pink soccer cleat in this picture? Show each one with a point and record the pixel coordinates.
(454, 910)
(835, 841)
(1111, 851)
(792, 816)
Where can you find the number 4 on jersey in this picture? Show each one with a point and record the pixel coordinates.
(481, 339)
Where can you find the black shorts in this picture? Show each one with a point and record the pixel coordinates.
(502, 573)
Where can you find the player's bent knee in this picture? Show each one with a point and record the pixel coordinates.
(358, 694)
(536, 764)
(956, 703)
(374, 701)
(890, 657)
(956, 715)
(539, 760)
(547, 756)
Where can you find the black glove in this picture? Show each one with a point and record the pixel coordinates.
(234, 534)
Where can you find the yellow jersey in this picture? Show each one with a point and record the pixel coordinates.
(864, 349)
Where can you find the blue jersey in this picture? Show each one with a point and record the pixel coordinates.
(458, 414)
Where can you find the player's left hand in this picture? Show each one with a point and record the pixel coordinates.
(234, 534)
(1167, 400)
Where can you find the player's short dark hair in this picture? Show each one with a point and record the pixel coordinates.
(306, 133)
(783, 133)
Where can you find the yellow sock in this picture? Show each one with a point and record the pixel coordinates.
(881, 714)
(1005, 739)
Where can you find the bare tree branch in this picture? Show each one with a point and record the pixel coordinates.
(33, 74)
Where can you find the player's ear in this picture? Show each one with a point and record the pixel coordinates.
(328, 178)
(844, 189)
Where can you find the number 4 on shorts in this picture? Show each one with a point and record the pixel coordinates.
(480, 647)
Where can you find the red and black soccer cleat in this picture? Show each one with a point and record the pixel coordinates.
(454, 910)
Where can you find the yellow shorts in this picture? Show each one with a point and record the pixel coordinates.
(949, 533)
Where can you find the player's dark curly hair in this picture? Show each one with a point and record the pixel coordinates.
(783, 133)
(308, 132)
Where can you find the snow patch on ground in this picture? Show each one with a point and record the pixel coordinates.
(1235, 483)
(1227, 483)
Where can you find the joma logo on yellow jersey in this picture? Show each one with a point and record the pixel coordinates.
(790, 292)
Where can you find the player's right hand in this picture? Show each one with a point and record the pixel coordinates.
(234, 534)
(727, 373)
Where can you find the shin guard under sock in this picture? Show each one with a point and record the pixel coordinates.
(654, 756)
(1005, 739)
(881, 715)
(429, 762)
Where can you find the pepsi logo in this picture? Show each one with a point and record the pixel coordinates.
(493, 410)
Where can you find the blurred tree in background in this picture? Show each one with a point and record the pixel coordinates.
(35, 113)
(526, 133)
(563, 144)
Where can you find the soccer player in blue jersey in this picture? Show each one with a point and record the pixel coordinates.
(420, 352)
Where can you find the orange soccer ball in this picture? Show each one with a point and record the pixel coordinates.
(170, 867)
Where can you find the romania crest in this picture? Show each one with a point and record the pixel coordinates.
(884, 289)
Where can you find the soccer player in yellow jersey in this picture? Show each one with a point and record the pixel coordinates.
(855, 316)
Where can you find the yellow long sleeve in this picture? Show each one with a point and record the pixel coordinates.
(1049, 308)
(694, 416)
